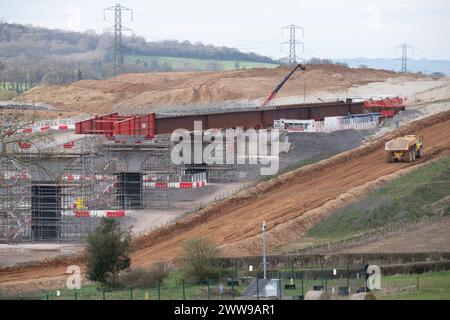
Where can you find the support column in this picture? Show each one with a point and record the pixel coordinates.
(45, 212)
(129, 190)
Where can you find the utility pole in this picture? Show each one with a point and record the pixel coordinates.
(293, 42)
(264, 249)
(404, 57)
(118, 29)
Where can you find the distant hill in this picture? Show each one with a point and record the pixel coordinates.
(35, 42)
(35, 55)
(422, 65)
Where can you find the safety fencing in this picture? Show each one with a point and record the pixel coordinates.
(46, 125)
(320, 126)
(231, 285)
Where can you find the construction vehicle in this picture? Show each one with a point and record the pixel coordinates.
(281, 84)
(404, 149)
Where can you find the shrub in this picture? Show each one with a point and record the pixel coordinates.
(107, 251)
(142, 278)
(199, 259)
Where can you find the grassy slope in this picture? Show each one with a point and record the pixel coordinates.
(177, 62)
(407, 198)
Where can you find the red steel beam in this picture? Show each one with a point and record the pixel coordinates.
(150, 125)
(136, 126)
(99, 125)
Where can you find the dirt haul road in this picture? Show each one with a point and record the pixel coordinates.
(290, 204)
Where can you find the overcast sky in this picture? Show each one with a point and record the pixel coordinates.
(333, 29)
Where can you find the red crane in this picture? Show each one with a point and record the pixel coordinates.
(281, 84)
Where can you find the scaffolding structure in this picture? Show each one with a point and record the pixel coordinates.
(60, 197)
(39, 210)
(49, 194)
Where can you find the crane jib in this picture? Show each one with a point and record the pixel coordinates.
(281, 84)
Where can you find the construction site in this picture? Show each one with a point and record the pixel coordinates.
(77, 163)
(86, 167)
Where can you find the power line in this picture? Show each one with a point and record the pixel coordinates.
(258, 44)
(333, 52)
(119, 66)
(258, 47)
(90, 23)
(293, 42)
(404, 57)
(149, 28)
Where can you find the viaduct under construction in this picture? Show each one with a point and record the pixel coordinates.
(118, 163)
(112, 163)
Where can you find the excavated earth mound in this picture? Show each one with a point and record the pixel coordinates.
(143, 91)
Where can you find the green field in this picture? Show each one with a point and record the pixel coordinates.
(431, 286)
(178, 63)
(412, 197)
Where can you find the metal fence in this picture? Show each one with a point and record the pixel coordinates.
(236, 285)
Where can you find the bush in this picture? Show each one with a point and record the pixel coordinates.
(199, 260)
(143, 279)
(108, 249)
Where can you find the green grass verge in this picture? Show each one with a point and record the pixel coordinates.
(408, 198)
(432, 286)
(179, 63)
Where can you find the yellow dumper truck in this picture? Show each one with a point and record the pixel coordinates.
(404, 149)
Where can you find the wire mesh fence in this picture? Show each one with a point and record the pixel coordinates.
(339, 283)
(235, 285)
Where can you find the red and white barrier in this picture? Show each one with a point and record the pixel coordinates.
(79, 177)
(99, 213)
(392, 102)
(186, 181)
(175, 185)
(12, 175)
(54, 125)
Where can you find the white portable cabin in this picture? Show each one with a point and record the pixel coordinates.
(293, 125)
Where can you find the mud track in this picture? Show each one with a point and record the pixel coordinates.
(290, 204)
